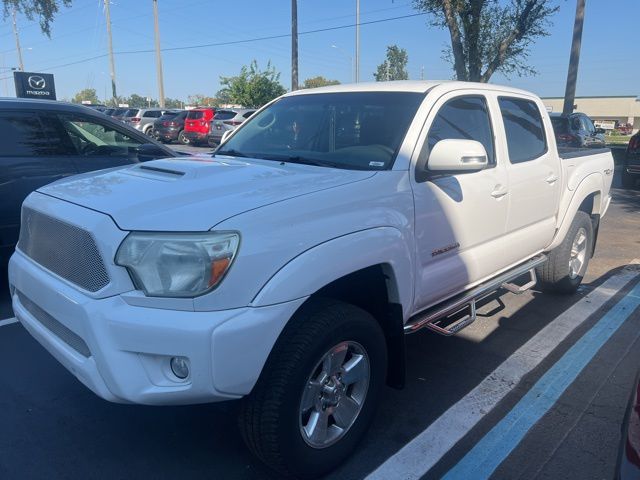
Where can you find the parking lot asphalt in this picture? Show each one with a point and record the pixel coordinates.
(562, 360)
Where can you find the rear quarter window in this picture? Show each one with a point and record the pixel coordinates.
(524, 129)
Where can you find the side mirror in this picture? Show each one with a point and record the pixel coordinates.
(457, 156)
(225, 135)
(600, 130)
(150, 151)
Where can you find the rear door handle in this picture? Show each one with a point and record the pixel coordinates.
(551, 179)
(499, 192)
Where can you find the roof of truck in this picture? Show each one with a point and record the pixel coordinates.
(417, 86)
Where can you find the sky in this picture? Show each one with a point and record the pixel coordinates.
(608, 65)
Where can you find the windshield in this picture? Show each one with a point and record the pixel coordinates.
(224, 115)
(352, 130)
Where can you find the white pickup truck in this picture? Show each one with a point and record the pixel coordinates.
(286, 269)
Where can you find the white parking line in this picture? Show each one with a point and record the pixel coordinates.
(418, 456)
(8, 321)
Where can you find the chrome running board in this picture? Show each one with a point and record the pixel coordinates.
(434, 317)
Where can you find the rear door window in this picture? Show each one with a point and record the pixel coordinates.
(463, 118)
(23, 134)
(524, 129)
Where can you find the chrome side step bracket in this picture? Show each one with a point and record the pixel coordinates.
(435, 317)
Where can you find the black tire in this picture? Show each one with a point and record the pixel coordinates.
(270, 416)
(628, 181)
(182, 138)
(555, 274)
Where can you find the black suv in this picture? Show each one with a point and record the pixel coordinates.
(576, 130)
(43, 141)
(631, 168)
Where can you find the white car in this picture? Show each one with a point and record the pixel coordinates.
(286, 269)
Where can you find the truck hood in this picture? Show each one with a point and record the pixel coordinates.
(196, 193)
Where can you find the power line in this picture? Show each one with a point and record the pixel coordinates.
(237, 42)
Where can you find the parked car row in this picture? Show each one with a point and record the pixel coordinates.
(198, 126)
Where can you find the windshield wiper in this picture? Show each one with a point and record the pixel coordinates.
(230, 153)
(299, 159)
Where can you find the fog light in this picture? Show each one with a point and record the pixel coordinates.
(180, 367)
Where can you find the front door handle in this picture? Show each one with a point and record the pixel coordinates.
(551, 179)
(499, 192)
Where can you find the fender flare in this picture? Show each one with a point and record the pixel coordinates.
(590, 185)
(324, 263)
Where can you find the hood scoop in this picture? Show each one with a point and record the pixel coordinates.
(161, 170)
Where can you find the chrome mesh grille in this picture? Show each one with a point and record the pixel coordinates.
(54, 326)
(64, 249)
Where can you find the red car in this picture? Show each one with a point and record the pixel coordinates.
(196, 126)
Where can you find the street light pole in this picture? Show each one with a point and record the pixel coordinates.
(156, 28)
(357, 67)
(574, 59)
(294, 45)
(15, 33)
(111, 61)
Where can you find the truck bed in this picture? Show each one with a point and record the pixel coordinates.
(573, 152)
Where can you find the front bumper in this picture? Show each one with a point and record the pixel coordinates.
(122, 352)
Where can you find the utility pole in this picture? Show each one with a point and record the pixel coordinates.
(574, 59)
(19, 50)
(357, 41)
(111, 61)
(294, 45)
(422, 72)
(158, 55)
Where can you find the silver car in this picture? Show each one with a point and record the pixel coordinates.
(224, 120)
(142, 118)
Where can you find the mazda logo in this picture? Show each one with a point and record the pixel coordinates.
(36, 82)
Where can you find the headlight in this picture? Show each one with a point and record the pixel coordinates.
(177, 264)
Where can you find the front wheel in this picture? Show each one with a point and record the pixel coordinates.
(567, 264)
(318, 391)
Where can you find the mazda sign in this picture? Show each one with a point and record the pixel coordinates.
(34, 85)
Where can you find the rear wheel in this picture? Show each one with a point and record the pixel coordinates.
(182, 138)
(568, 262)
(318, 391)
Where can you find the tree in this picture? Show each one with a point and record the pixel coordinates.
(88, 94)
(394, 67)
(253, 87)
(319, 81)
(173, 103)
(138, 101)
(44, 10)
(199, 99)
(488, 36)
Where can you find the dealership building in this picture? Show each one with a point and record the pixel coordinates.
(603, 110)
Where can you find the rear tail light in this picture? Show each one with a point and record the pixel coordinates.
(134, 120)
(173, 124)
(166, 124)
(232, 122)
